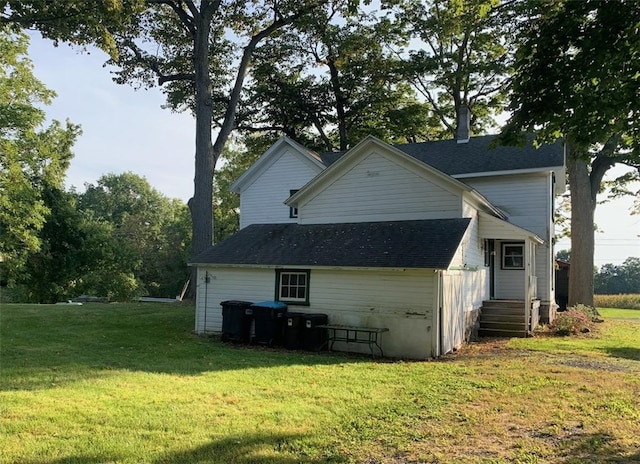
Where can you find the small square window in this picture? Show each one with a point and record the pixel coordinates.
(292, 286)
(513, 256)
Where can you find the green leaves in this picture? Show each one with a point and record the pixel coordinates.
(148, 244)
(75, 21)
(32, 159)
(330, 81)
(464, 56)
(577, 72)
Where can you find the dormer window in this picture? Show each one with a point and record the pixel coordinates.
(293, 211)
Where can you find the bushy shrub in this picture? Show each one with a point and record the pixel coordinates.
(577, 319)
(590, 311)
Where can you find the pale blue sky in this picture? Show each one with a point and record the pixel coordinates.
(127, 130)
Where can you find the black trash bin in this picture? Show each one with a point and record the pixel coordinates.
(269, 322)
(314, 338)
(236, 320)
(293, 328)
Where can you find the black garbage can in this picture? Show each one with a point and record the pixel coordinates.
(268, 317)
(236, 320)
(293, 327)
(314, 338)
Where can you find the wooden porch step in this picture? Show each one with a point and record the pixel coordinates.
(502, 333)
(503, 318)
(503, 304)
(506, 312)
(496, 317)
(503, 325)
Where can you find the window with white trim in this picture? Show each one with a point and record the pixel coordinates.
(513, 255)
(292, 286)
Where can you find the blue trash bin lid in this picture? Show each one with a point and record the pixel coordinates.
(269, 305)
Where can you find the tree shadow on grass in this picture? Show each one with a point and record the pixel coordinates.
(86, 343)
(250, 449)
(58, 368)
(626, 352)
(246, 449)
(596, 447)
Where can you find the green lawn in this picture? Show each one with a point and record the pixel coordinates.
(132, 384)
(615, 313)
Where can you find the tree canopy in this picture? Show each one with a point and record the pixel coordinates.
(577, 77)
(199, 52)
(614, 279)
(33, 158)
(331, 80)
(465, 57)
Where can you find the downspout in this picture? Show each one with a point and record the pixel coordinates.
(527, 284)
(206, 297)
(438, 315)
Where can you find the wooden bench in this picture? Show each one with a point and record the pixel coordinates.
(371, 336)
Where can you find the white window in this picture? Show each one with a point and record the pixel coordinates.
(292, 286)
(513, 256)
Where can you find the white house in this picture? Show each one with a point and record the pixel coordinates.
(419, 238)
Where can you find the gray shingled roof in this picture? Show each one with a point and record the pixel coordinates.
(476, 156)
(398, 244)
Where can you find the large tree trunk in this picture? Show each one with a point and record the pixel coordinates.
(582, 232)
(340, 104)
(201, 204)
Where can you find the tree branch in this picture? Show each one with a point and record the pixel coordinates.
(186, 20)
(174, 77)
(229, 117)
(152, 63)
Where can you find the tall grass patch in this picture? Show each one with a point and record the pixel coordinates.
(622, 301)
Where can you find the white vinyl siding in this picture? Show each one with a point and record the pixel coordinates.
(470, 253)
(462, 295)
(378, 189)
(229, 284)
(262, 202)
(401, 300)
(527, 201)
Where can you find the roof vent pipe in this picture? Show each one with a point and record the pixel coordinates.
(463, 131)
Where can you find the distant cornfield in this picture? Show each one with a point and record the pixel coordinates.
(622, 301)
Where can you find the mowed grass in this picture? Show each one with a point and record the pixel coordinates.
(132, 384)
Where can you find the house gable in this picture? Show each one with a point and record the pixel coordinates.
(376, 182)
(264, 187)
(284, 146)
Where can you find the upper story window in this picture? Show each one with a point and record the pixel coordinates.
(293, 211)
(513, 256)
(292, 286)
